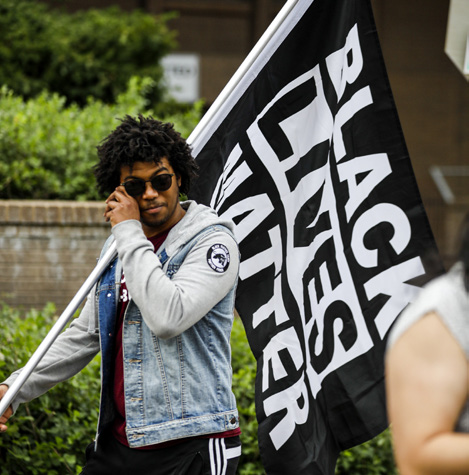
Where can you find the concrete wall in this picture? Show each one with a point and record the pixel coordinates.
(47, 249)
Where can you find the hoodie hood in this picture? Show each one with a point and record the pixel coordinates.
(197, 218)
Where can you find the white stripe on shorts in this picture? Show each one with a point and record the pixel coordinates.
(234, 452)
(219, 456)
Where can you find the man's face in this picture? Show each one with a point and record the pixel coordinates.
(159, 210)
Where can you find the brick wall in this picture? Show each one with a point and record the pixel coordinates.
(47, 249)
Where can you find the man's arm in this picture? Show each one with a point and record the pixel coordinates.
(68, 355)
(171, 306)
(427, 379)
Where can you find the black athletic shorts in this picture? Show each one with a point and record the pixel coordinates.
(192, 457)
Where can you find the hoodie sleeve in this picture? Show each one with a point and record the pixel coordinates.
(171, 306)
(69, 354)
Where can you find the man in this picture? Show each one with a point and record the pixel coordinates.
(161, 315)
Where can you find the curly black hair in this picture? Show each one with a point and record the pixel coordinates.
(143, 139)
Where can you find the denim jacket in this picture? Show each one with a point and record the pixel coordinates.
(189, 390)
(177, 357)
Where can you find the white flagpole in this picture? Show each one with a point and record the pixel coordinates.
(242, 70)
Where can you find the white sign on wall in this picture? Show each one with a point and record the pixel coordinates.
(182, 72)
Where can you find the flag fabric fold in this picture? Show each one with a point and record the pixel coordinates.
(308, 158)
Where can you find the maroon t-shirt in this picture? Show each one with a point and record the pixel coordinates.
(118, 428)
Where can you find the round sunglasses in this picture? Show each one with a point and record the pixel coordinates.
(136, 186)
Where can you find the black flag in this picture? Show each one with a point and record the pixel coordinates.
(308, 158)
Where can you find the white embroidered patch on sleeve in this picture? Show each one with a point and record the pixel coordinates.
(218, 258)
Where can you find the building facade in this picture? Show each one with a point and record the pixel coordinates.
(431, 94)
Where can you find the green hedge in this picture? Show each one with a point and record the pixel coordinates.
(88, 53)
(48, 148)
(49, 435)
(374, 457)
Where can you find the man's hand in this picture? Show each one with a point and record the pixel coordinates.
(121, 207)
(4, 418)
